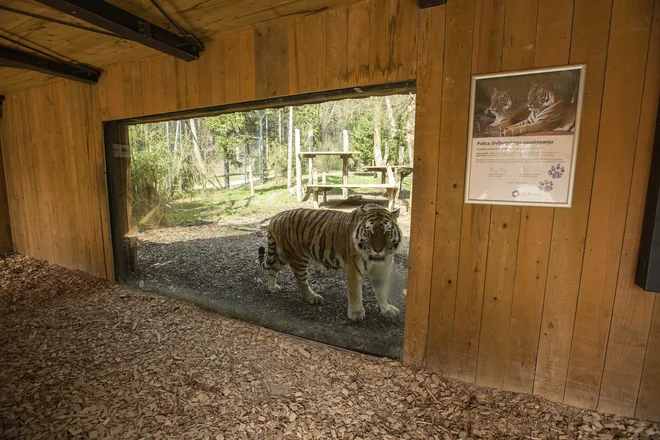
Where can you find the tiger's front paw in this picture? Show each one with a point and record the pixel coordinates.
(390, 311)
(356, 315)
(274, 288)
(314, 298)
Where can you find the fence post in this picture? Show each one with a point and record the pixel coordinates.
(298, 168)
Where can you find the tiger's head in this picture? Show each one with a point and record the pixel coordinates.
(540, 97)
(377, 235)
(500, 101)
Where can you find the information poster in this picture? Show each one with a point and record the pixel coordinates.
(524, 129)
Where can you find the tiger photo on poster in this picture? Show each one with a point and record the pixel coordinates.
(523, 136)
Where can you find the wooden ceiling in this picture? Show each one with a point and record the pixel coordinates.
(203, 18)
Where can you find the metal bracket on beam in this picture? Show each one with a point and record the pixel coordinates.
(11, 57)
(430, 3)
(129, 26)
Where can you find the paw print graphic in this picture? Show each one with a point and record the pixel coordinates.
(546, 185)
(556, 171)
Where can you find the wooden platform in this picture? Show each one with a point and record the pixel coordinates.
(390, 187)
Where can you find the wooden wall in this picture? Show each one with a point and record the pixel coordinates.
(540, 300)
(5, 227)
(55, 173)
(534, 300)
(285, 57)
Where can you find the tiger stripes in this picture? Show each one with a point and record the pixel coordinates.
(361, 242)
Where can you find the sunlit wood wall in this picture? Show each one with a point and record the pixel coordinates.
(540, 300)
(535, 300)
(55, 175)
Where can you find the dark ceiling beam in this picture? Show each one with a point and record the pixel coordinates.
(10, 57)
(129, 26)
(429, 3)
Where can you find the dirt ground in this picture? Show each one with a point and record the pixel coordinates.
(81, 358)
(215, 265)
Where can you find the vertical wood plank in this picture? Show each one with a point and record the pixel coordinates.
(337, 47)
(6, 243)
(115, 94)
(315, 40)
(170, 84)
(380, 41)
(271, 45)
(192, 84)
(246, 57)
(147, 94)
(205, 80)
(427, 140)
(486, 57)
(218, 91)
(633, 307)
(297, 56)
(127, 90)
(553, 34)
(616, 146)
(358, 49)
(589, 43)
(157, 92)
(449, 200)
(181, 94)
(648, 404)
(136, 86)
(97, 158)
(232, 70)
(404, 40)
(517, 53)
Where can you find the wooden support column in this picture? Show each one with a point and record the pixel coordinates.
(121, 200)
(298, 168)
(344, 171)
(5, 229)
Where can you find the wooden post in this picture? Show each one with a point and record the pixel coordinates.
(298, 168)
(325, 193)
(344, 171)
(289, 161)
(310, 164)
(121, 194)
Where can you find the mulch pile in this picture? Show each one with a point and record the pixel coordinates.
(80, 358)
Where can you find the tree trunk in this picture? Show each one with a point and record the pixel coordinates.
(267, 150)
(197, 152)
(378, 155)
(310, 143)
(248, 159)
(392, 132)
(279, 128)
(289, 164)
(261, 147)
(298, 169)
(410, 138)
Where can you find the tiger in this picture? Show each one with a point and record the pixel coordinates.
(549, 112)
(361, 242)
(506, 110)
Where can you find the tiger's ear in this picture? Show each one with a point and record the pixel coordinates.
(494, 89)
(509, 91)
(395, 213)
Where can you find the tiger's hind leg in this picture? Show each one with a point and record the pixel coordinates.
(300, 270)
(273, 262)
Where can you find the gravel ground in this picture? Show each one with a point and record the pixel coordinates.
(215, 264)
(81, 358)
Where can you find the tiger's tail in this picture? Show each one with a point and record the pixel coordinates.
(265, 261)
